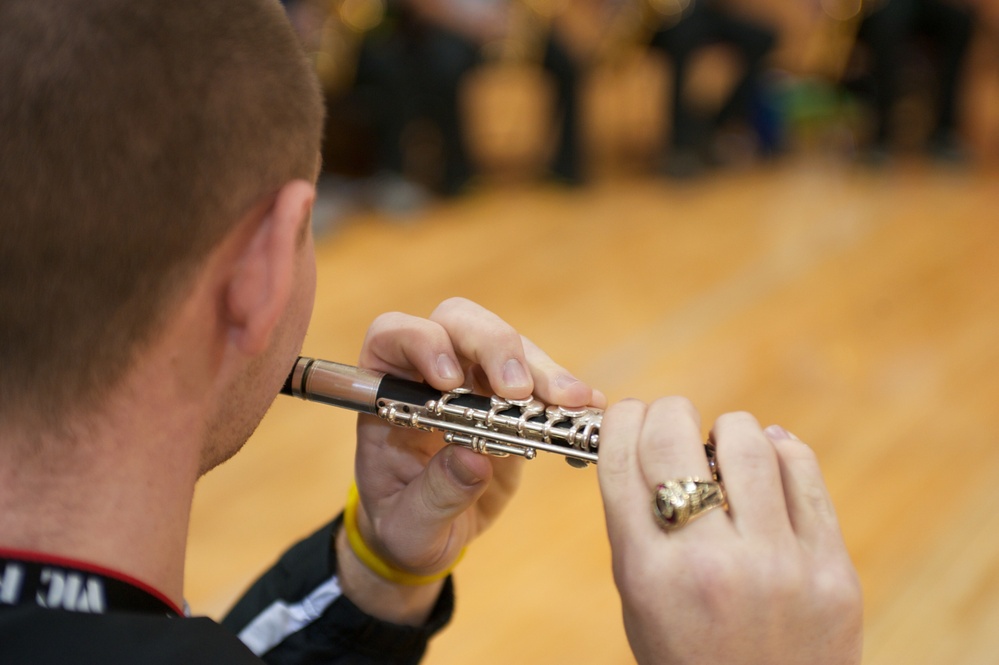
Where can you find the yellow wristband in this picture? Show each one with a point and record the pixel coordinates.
(372, 561)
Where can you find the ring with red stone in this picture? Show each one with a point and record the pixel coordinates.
(678, 501)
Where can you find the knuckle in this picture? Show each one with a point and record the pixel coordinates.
(801, 454)
(838, 585)
(451, 306)
(736, 419)
(678, 405)
(739, 436)
(623, 408)
(503, 334)
(818, 502)
(388, 320)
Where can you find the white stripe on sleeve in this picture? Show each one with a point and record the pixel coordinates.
(280, 619)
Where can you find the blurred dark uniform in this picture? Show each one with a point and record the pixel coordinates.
(411, 67)
(888, 32)
(704, 23)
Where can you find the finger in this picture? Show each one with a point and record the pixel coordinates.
(748, 464)
(507, 472)
(553, 384)
(622, 485)
(671, 445)
(671, 448)
(412, 348)
(599, 399)
(809, 505)
(487, 340)
(419, 529)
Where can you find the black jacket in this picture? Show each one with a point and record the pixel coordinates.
(294, 614)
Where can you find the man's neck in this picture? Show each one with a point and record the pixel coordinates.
(114, 493)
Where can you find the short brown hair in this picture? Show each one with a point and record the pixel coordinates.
(133, 135)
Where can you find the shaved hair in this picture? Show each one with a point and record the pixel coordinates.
(134, 135)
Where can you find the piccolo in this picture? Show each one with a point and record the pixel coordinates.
(489, 425)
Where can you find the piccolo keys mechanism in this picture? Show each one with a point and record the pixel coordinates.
(490, 425)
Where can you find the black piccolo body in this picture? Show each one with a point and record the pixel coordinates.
(489, 425)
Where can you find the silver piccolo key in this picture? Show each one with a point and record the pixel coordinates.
(489, 425)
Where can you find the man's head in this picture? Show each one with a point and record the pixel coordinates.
(135, 135)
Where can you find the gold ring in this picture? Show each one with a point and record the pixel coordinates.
(678, 501)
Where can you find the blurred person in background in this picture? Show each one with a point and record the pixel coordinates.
(890, 31)
(688, 27)
(413, 66)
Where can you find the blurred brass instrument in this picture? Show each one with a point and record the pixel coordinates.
(489, 425)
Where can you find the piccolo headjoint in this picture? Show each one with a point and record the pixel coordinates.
(488, 425)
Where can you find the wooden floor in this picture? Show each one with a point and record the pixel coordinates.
(859, 310)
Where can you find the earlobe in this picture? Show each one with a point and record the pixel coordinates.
(260, 284)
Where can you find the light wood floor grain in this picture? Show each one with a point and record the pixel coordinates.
(857, 309)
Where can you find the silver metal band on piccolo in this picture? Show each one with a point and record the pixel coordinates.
(490, 425)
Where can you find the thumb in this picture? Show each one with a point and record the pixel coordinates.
(454, 480)
(423, 532)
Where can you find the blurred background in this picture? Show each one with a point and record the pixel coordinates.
(781, 206)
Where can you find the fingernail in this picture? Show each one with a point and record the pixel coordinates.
(778, 432)
(565, 380)
(446, 367)
(515, 374)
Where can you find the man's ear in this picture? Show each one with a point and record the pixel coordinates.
(263, 270)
